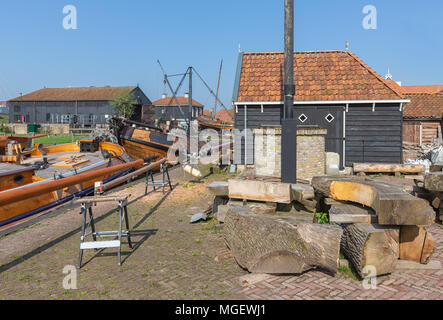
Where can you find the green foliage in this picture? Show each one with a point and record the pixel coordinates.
(378, 175)
(322, 218)
(58, 139)
(124, 103)
(347, 272)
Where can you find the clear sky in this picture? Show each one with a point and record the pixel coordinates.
(119, 42)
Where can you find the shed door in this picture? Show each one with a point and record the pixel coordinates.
(330, 118)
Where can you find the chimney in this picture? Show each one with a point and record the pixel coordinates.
(289, 87)
(164, 95)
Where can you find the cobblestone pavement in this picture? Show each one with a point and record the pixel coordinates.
(174, 260)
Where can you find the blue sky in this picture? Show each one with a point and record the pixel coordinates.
(118, 42)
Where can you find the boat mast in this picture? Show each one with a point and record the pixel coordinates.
(218, 88)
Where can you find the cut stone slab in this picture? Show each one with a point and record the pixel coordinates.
(256, 207)
(332, 163)
(260, 191)
(302, 192)
(340, 213)
(392, 205)
(280, 245)
(434, 181)
(198, 217)
(416, 244)
(412, 265)
(218, 188)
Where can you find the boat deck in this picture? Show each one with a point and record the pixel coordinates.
(60, 163)
(54, 159)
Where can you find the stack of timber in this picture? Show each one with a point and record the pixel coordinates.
(381, 223)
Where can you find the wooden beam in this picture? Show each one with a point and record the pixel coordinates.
(392, 205)
(260, 191)
(388, 168)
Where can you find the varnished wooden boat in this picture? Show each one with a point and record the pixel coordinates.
(207, 123)
(141, 140)
(51, 166)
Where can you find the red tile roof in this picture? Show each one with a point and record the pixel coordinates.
(225, 115)
(319, 76)
(424, 106)
(423, 89)
(74, 94)
(169, 101)
(207, 113)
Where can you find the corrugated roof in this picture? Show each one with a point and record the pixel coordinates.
(170, 101)
(319, 76)
(424, 106)
(74, 94)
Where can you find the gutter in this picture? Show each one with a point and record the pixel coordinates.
(241, 103)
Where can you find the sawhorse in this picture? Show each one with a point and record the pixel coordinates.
(166, 180)
(86, 209)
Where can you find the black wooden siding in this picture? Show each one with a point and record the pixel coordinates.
(52, 111)
(167, 113)
(271, 116)
(370, 136)
(374, 136)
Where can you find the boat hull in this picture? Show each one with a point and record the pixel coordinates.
(18, 210)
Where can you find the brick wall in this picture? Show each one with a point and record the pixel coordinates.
(267, 151)
(311, 155)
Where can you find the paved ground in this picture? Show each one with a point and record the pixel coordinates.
(174, 260)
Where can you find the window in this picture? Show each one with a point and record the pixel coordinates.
(16, 109)
(48, 117)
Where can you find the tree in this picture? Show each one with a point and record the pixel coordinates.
(124, 103)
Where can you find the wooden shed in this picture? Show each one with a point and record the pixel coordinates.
(334, 90)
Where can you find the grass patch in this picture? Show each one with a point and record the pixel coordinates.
(4, 118)
(347, 272)
(58, 139)
(378, 175)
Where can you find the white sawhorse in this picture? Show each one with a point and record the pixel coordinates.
(86, 209)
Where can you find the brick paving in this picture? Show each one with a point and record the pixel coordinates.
(174, 260)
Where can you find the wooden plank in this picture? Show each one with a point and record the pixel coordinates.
(72, 163)
(260, 191)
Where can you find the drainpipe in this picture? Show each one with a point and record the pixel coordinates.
(246, 135)
(289, 87)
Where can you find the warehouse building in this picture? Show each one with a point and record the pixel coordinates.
(84, 106)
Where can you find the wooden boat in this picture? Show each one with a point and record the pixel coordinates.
(140, 140)
(64, 168)
(207, 123)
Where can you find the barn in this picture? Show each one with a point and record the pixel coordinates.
(79, 106)
(423, 116)
(334, 90)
